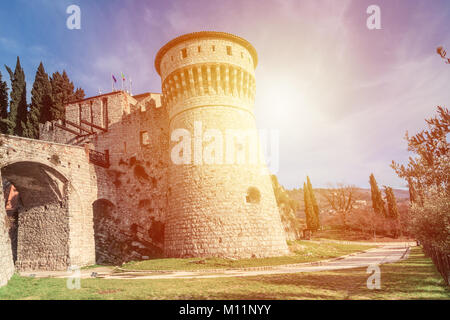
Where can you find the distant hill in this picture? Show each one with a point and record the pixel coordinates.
(361, 194)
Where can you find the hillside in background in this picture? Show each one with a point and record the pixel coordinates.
(361, 195)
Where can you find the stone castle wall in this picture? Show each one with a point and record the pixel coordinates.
(134, 186)
(138, 149)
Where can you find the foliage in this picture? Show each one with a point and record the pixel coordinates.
(377, 199)
(288, 208)
(430, 167)
(428, 173)
(342, 200)
(41, 101)
(282, 197)
(314, 203)
(62, 93)
(309, 209)
(18, 108)
(430, 220)
(3, 105)
(48, 98)
(440, 51)
(392, 211)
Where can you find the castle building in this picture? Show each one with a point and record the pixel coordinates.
(177, 174)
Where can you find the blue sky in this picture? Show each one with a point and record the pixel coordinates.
(341, 96)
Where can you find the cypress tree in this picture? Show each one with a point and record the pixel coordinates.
(18, 107)
(3, 105)
(309, 210)
(391, 203)
(377, 199)
(78, 95)
(58, 94)
(41, 101)
(62, 93)
(314, 203)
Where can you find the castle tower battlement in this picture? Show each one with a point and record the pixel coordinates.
(221, 208)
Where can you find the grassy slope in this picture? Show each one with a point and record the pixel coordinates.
(414, 278)
(304, 251)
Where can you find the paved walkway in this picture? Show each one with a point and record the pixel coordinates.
(379, 255)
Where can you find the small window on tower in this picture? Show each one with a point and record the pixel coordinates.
(184, 53)
(253, 195)
(213, 48)
(199, 49)
(145, 138)
(229, 50)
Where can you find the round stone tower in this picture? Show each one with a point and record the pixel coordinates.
(221, 201)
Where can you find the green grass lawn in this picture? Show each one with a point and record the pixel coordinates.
(302, 251)
(414, 278)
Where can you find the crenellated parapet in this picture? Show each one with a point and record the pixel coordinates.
(207, 69)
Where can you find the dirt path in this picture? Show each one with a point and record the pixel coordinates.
(380, 255)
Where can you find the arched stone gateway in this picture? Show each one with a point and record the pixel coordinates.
(48, 225)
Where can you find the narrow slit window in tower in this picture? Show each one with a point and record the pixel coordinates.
(184, 53)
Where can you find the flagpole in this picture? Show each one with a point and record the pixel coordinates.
(131, 83)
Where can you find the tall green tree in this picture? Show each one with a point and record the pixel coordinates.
(377, 199)
(428, 169)
(41, 101)
(392, 211)
(63, 93)
(18, 107)
(78, 95)
(309, 210)
(314, 203)
(3, 105)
